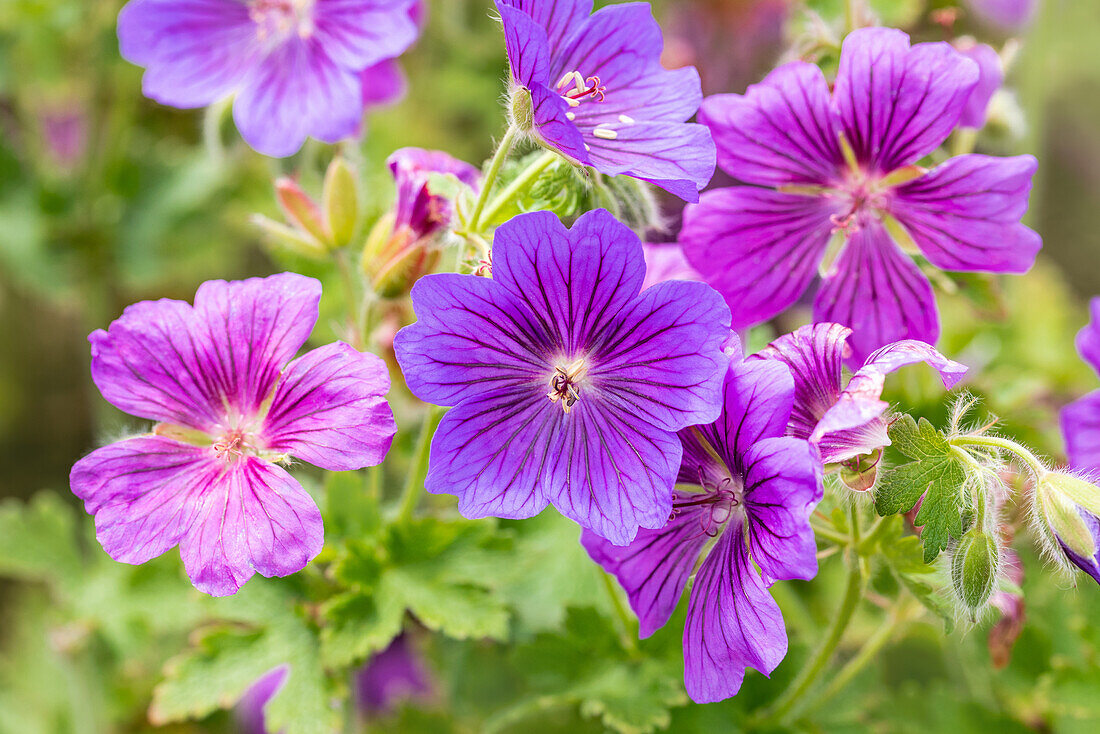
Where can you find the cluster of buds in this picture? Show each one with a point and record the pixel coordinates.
(315, 230)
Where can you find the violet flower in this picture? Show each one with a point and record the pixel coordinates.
(1008, 15)
(249, 712)
(821, 165)
(757, 489)
(666, 262)
(295, 67)
(846, 421)
(393, 675)
(417, 210)
(599, 95)
(230, 410)
(1081, 419)
(991, 76)
(568, 385)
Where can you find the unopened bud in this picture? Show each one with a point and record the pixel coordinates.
(341, 202)
(633, 202)
(974, 567)
(1067, 507)
(522, 113)
(301, 210)
(859, 473)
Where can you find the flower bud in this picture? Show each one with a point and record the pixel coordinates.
(1066, 507)
(302, 212)
(341, 202)
(633, 203)
(860, 472)
(522, 109)
(974, 566)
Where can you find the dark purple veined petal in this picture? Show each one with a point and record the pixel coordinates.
(965, 214)
(356, 34)
(231, 519)
(782, 131)
(552, 124)
(253, 518)
(527, 45)
(472, 338)
(576, 281)
(991, 76)
(330, 409)
(782, 488)
(1088, 339)
(732, 623)
(677, 157)
(815, 355)
(759, 248)
(195, 52)
(897, 103)
(296, 92)
(558, 18)
(663, 357)
(654, 569)
(878, 292)
(1081, 428)
(168, 361)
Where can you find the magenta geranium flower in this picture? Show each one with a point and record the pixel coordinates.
(295, 66)
(231, 411)
(753, 488)
(1008, 15)
(568, 385)
(666, 262)
(991, 76)
(417, 211)
(843, 165)
(846, 421)
(600, 96)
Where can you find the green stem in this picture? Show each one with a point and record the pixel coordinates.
(506, 144)
(852, 14)
(897, 616)
(625, 623)
(829, 534)
(410, 497)
(1002, 444)
(343, 264)
(804, 681)
(518, 186)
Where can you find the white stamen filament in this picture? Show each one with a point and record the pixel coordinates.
(605, 134)
(626, 119)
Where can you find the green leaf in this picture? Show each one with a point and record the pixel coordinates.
(905, 559)
(38, 541)
(260, 631)
(935, 474)
(359, 625)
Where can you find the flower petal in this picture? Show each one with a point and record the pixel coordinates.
(383, 84)
(654, 569)
(1088, 564)
(760, 249)
(574, 281)
(472, 338)
(782, 131)
(965, 214)
(1088, 339)
(296, 92)
(1081, 428)
(815, 355)
(195, 52)
(558, 18)
(330, 409)
(666, 262)
(253, 518)
(677, 157)
(896, 103)
(991, 76)
(164, 360)
(732, 623)
(360, 33)
(782, 488)
(527, 45)
(879, 293)
(663, 359)
(552, 124)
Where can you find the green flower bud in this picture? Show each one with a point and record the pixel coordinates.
(974, 566)
(522, 109)
(859, 473)
(341, 202)
(1059, 498)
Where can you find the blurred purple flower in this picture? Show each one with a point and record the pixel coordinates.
(666, 262)
(823, 164)
(249, 712)
(758, 488)
(991, 76)
(294, 66)
(231, 410)
(417, 209)
(1081, 419)
(1008, 15)
(844, 422)
(393, 675)
(569, 386)
(599, 95)
(65, 133)
(384, 83)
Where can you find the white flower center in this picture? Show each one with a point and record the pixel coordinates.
(277, 20)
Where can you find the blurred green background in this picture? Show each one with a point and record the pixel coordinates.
(107, 198)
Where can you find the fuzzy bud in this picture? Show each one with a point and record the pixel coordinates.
(341, 202)
(1066, 509)
(974, 566)
(859, 473)
(301, 211)
(522, 109)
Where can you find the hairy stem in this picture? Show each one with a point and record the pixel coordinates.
(1002, 444)
(503, 150)
(418, 471)
(624, 621)
(804, 681)
(518, 186)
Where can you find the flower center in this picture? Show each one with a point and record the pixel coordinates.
(234, 445)
(565, 383)
(863, 193)
(277, 20)
(719, 499)
(581, 89)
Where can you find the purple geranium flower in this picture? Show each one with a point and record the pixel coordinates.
(568, 385)
(249, 712)
(599, 95)
(666, 262)
(417, 211)
(843, 165)
(757, 489)
(395, 674)
(991, 76)
(230, 411)
(1081, 420)
(845, 422)
(295, 66)
(1008, 15)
